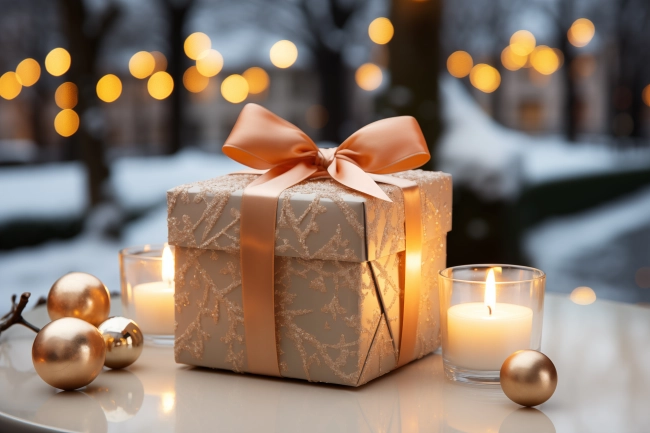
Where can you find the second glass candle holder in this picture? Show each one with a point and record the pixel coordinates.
(488, 312)
(147, 280)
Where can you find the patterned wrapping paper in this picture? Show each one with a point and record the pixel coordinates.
(337, 276)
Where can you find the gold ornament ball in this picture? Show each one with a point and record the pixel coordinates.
(124, 341)
(528, 377)
(79, 295)
(68, 353)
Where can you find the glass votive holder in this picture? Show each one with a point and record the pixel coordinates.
(488, 312)
(147, 280)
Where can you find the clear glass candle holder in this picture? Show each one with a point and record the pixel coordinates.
(147, 280)
(488, 312)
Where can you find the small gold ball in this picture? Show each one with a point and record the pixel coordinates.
(124, 341)
(68, 353)
(528, 377)
(79, 295)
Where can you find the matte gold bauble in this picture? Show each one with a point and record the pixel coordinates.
(68, 353)
(79, 295)
(528, 377)
(124, 341)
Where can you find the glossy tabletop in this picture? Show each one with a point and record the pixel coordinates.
(601, 351)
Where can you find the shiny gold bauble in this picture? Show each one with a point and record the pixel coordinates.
(528, 377)
(79, 295)
(124, 341)
(68, 353)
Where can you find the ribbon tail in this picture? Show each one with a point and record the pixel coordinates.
(412, 267)
(257, 238)
(353, 176)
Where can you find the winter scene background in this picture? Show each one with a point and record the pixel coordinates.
(540, 109)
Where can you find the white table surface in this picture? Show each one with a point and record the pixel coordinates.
(601, 351)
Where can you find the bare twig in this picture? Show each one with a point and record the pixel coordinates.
(14, 316)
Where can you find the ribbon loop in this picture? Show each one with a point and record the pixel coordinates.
(264, 141)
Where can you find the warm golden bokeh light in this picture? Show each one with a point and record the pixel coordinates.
(583, 295)
(66, 95)
(368, 76)
(522, 42)
(194, 81)
(196, 44)
(161, 61)
(109, 88)
(66, 123)
(10, 85)
(142, 64)
(257, 78)
(581, 32)
(316, 116)
(58, 62)
(234, 88)
(544, 60)
(160, 85)
(209, 63)
(381, 30)
(283, 54)
(459, 64)
(29, 71)
(485, 78)
(646, 95)
(512, 61)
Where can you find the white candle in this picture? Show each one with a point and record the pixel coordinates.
(481, 335)
(153, 303)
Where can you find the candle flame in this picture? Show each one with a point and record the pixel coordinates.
(168, 265)
(490, 291)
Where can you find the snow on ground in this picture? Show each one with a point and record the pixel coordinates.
(498, 162)
(601, 248)
(52, 191)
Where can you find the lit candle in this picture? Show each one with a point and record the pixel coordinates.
(153, 303)
(481, 335)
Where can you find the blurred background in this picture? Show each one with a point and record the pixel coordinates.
(540, 109)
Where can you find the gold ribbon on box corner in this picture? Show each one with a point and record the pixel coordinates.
(263, 141)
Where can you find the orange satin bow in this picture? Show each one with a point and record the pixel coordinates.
(262, 140)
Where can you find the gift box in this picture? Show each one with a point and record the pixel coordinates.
(339, 298)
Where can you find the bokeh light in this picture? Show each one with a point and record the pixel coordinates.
(109, 88)
(160, 85)
(485, 78)
(142, 64)
(381, 30)
(57, 62)
(196, 44)
(544, 60)
(194, 81)
(66, 95)
(581, 32)
(459, 64)
(29, 71)
(316, 116)
(511, 60)
(583, 295)
(522, 42)
(66, 123)
(257, 78)
(283, 54)
(161, 61)
(234, 88)
(646, 95)
(209, 63)
(10, 85)
(368, 76)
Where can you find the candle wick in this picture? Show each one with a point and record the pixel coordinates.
(489, 309)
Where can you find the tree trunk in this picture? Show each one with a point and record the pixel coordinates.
(414, 64)
(89, 146)
(333, 92)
